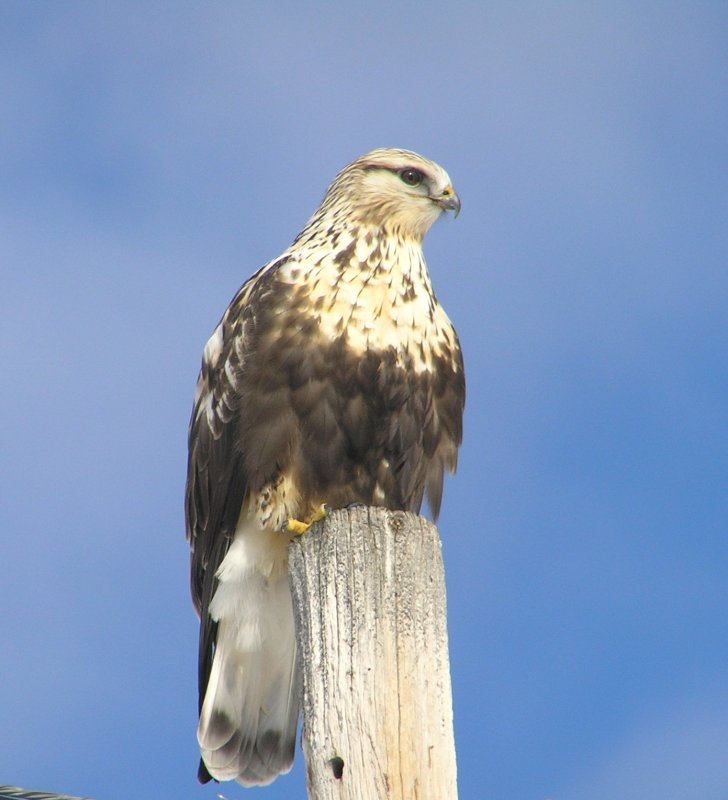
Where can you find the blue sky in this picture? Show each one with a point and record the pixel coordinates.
(152, 156)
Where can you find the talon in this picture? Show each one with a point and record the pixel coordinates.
(321, 512)
(297, 527)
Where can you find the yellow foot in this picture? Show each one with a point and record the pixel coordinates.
(298, 527)
(295, 526)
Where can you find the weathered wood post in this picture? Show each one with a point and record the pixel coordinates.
(369, 603)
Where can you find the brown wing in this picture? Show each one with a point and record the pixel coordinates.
(445, 432)
(216, 483)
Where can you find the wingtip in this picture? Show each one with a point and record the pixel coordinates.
(203, 776)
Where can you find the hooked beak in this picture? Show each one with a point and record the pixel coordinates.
(448, 200)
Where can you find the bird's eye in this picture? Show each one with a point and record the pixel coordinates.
(412, 177)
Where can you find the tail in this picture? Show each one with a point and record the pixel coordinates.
(247, 728)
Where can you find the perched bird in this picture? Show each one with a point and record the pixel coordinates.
(334, 377)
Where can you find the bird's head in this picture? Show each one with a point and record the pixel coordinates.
(396, 190)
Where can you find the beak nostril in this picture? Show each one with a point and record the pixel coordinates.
(448, 200)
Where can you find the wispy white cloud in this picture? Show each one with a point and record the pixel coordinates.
(676, 752)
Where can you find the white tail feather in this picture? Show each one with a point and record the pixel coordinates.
(247, 727)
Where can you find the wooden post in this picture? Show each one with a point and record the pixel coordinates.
(369, 604)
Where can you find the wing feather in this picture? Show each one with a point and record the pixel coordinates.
(216, 479)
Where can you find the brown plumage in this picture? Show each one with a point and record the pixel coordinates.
(333, 377)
